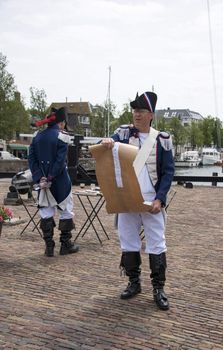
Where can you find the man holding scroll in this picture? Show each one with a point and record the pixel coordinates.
(154, 167)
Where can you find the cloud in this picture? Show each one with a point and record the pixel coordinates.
(66, 47)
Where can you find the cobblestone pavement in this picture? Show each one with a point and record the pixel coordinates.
(72, 302)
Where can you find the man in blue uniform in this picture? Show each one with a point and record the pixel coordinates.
(47, 162)
(155, 173)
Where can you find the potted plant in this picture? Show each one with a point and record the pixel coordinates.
(5, 215)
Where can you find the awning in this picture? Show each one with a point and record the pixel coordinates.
(18, 146)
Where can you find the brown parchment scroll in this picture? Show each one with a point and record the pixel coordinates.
(118, 199)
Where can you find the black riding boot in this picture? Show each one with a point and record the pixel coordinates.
(47, 226)
(67, 247)
(130, 262)
(158, 268)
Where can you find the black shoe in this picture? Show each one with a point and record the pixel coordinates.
(160, 299)
(68, 248)
(49, 251)
(132, 289)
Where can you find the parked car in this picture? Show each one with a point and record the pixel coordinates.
(8, 155)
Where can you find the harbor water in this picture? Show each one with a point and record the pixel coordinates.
(201, 171)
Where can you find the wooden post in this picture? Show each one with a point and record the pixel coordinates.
(214, 183)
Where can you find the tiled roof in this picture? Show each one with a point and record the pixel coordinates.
(169, 113)
(74, 107)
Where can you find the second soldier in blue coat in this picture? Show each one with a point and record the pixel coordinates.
(47, 162)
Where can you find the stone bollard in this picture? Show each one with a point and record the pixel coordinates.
(214, 183)
(188, 185)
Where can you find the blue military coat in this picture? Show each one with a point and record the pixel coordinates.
(47, 157)
(164, 158)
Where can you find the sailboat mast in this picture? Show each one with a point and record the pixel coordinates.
(213, 77)
(109, 100)
(212, 60)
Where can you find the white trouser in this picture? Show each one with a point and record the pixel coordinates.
(67, 213)
(129, 227)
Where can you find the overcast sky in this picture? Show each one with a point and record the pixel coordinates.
(66, 47)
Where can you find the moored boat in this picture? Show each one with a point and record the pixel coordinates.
(210, 156)
(188, 159)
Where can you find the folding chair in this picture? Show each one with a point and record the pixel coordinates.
(23, 187)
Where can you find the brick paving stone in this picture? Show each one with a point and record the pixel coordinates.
(73, 302)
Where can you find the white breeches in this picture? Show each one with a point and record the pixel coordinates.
(67, 213)
(130, 225)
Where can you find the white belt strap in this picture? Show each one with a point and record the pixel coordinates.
(145, 151)
(117, 165)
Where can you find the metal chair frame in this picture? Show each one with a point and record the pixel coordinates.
(24, 185)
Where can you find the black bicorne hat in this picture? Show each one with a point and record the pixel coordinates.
(61, 114)
(56, 116)
(145, 101)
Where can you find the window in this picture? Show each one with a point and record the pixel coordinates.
(87, 132)
(84, 119)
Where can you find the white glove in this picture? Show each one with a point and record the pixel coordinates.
(44, 183)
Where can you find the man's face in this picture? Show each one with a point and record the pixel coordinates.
(142, 119)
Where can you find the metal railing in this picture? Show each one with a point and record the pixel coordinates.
(214, 179)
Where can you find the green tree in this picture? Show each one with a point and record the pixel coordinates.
(16, 120)
(99, 119)
(38, 104)
(195, 135)
(221, 136)
(207, 130)
(160, 124)
(217, 133)
(13, 116)
(178, 132)
(7, 85)
(124, 118)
